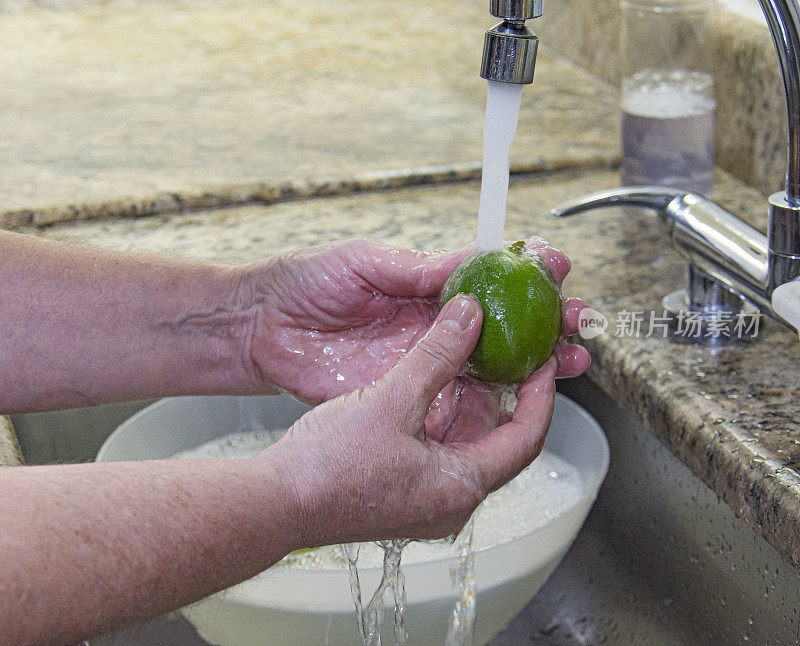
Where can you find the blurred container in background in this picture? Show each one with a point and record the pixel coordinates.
(667, 54)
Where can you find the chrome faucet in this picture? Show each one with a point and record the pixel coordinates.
(731, 264)
(509, 48)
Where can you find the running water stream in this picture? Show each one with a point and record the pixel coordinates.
(500, 125)
(369, 617)
(462, 578)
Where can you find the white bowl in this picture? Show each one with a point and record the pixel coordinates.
(289, 607)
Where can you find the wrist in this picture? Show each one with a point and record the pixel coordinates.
(246, 325)
(300, 517)
(314, 492)
(208, 329)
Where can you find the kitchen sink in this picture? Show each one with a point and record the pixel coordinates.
(661, 560)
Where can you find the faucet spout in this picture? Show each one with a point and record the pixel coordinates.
(783, 19)
(714, 241)
(509, 48)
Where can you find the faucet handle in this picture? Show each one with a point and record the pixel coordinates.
(786, 302)
(656, 198)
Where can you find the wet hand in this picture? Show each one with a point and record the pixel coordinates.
(335, 318)
(363, 466)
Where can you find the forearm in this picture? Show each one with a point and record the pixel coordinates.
(87, 548)
(83, 326)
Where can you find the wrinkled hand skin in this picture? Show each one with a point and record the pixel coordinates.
(330, 319)
(406, 446)
(364, 468)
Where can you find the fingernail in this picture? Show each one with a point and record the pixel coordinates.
(459, 312)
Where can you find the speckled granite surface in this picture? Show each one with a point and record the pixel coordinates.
(130, 107)
(160, 102)
(731, 415)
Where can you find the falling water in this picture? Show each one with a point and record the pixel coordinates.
(351, 553)
(369, 617)
(502, 114)
(462, 577)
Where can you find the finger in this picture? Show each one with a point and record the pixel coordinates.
(504, 452)
(558, 264)
(573, 360)
(464, 411)
(571, 316)
(442, 411)
(477, 412)
(405, 272)
(438, 357)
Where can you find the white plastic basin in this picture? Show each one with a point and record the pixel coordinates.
(291, 607)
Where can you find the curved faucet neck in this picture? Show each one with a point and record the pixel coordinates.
(783, 18)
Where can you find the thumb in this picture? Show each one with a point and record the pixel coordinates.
(438, 356)
(508, 449)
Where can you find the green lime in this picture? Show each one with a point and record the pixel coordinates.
(521, 312)
(303, 550)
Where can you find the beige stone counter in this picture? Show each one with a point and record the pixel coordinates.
(124, 108)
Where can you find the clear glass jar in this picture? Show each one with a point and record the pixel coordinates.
(667, 56)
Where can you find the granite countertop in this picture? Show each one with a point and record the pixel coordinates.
(131, 107)
(147, 108)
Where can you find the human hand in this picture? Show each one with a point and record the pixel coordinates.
(328, 320)
(364, 468)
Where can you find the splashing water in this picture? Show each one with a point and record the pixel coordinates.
(500, 125)
(462, 578)
(351, 551)
(369, 618)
